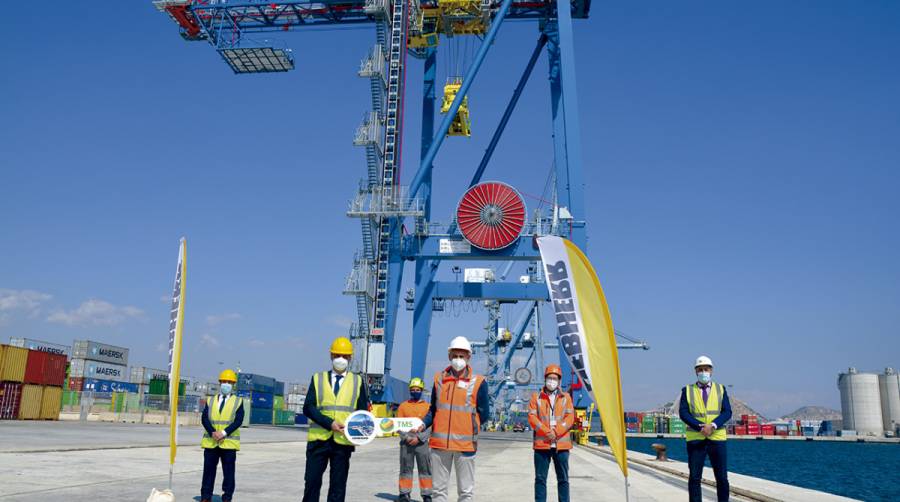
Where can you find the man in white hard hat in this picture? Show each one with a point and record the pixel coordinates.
(459, 405)
(705, 408)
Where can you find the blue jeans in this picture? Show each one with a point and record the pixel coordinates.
(211, 457)
(542, 466)
(697, 452)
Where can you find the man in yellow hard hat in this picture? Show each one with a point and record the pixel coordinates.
(333, 395)
(222, 418)
(414, 445)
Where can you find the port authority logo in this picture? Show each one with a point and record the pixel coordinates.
(360, 428)
(565, 304)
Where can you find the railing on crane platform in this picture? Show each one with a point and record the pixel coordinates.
(376, 203)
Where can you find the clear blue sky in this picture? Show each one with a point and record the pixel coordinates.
(742, 165)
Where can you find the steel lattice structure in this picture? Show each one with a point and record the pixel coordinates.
(382, 204)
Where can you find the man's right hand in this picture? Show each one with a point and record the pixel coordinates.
(337, 426)
(412, 441)
(418, 429)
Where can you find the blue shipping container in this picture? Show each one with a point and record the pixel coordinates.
(262, 400)
(300, 419)
(256, 383)
(92, 384)
(244, 393)
(279, 388)
(260, 416)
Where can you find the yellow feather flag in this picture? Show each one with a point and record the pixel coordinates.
(585, 332)
(176, 326)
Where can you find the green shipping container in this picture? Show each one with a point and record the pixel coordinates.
(71, 398)
(283, 417)
(279, 402)
(160, 387)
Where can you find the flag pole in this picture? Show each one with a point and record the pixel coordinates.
(626, 489)
(176, 326)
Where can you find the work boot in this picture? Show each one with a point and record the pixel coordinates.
(404, 497)
(426, 498)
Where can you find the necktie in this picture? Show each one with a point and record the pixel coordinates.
(705, 393)
(221, 403)
(337, 384)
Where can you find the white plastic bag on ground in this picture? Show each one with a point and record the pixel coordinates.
(161, 496)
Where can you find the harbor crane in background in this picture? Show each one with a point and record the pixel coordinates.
(491, 223)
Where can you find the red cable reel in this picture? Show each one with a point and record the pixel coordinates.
(491, 215)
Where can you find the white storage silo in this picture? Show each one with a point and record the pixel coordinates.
(861, 402)
(889, 387)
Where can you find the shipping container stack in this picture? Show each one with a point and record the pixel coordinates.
(676, 425)
(829, 427)
(260, 390)
(633, 421)
(31, 382)
(98, 367)
(648, 424)
(295, 397)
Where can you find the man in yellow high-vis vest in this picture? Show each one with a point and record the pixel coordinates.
(705, 409)
(333, 395)
(222, 418)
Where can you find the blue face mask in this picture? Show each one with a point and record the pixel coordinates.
(225, 389)
(704, 377)
(416, 395)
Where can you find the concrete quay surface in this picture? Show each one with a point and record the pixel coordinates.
(122, 462)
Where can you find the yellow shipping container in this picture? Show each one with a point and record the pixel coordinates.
(51, 402)
(14, 359)
(2, 349)
(30, 409)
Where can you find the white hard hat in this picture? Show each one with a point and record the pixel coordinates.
(460, 342)
(703, 361)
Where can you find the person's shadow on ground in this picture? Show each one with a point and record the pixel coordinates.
(216, 498)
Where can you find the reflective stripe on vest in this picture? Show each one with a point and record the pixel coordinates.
(705, 413)
(334, 407)
(220, 421)
(455, 424)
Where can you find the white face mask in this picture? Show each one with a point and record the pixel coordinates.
(225, 389)
(339, 363)
(458, 363)
(551, 384)
(704, 377)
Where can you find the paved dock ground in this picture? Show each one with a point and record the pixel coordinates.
(121, 462)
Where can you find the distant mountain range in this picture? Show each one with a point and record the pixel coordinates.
(739, 408)
(814, 413)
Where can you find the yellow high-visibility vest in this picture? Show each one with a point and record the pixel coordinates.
(334, 407)
(705, 413)
(220, 420)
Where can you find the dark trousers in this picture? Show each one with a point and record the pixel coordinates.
(318, 455)
(211, 457)
(697, 452)
(542, 460)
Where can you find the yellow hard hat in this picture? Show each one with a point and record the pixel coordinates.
(416, 382)
(342, 346)
(227, 376)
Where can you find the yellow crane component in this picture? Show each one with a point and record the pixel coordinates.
(463, 17)
(461, 126)
(423, 31)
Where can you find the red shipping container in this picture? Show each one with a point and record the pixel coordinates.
(740, 430)
(44, 368)
(10, 399)
(76, 383)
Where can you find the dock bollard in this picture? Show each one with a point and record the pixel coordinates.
(660, 452)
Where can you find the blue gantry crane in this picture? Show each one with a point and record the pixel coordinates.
(491, 223)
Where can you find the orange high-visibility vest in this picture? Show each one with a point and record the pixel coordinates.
(456, 423)
(539, 413)
(409, 409)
